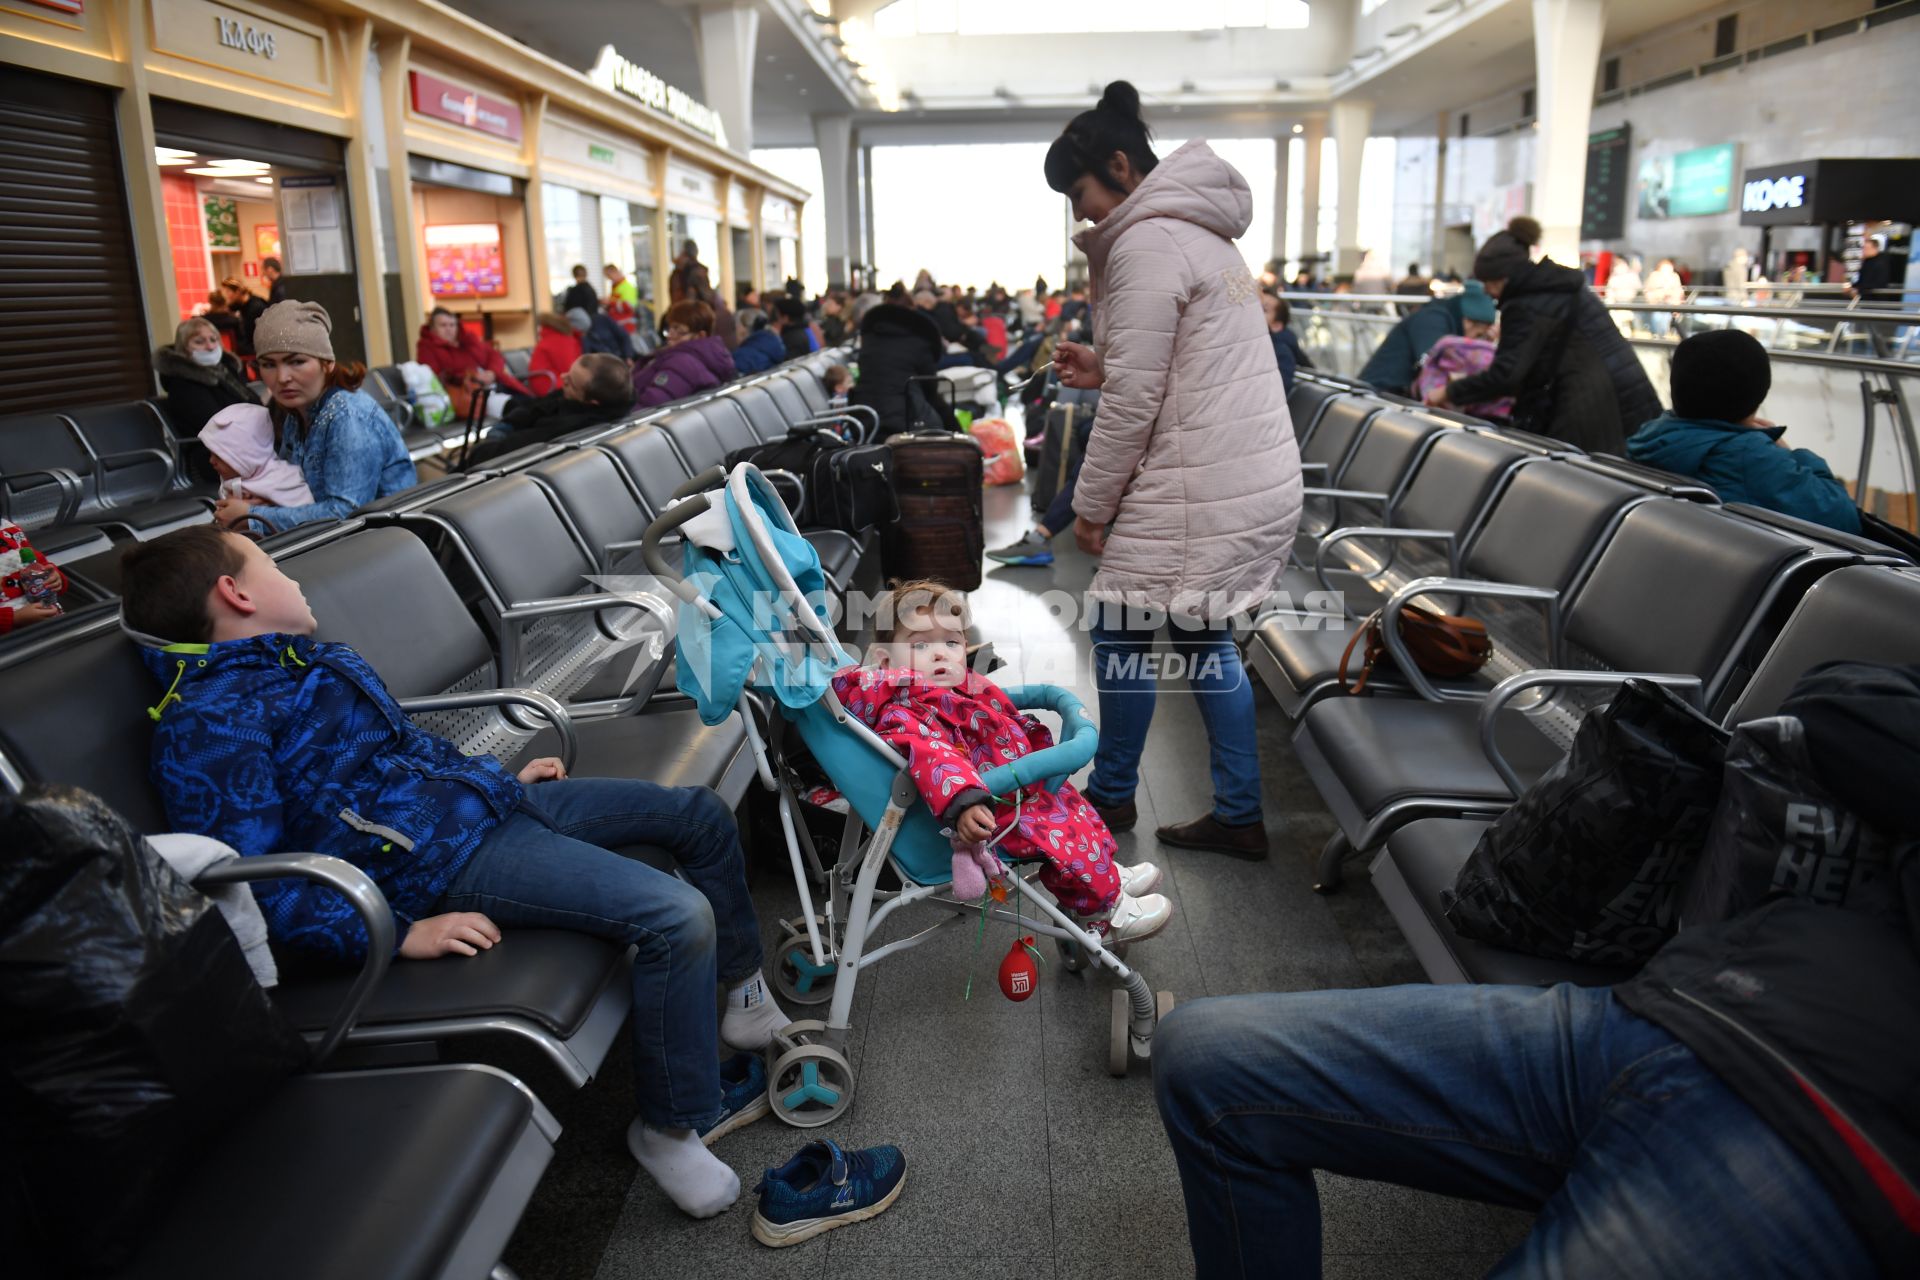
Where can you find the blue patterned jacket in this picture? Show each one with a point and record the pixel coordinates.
(280, 743)
(350, 454)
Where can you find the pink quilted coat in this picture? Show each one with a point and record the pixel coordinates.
(1192, 456)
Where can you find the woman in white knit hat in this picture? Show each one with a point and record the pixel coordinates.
(343, 442)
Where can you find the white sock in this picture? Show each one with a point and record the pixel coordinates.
(752, 1017)
(692, 1176)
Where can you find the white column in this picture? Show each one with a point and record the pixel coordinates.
(1352, 119)
(833, 135)
(868, 252)
(726, 36)
(1566, 55)
(1439, 243)
(1282, 149)
(1315, 135)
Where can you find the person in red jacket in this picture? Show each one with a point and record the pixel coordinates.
(29, 582)
(462, 358)
(554, 354)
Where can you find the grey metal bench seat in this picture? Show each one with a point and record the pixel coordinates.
(415, 1174)
(1679, 592)
(1861, 613)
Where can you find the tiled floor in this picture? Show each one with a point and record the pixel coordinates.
(1026, 1159)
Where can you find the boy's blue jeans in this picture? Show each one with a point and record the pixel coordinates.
(1639, 1160)
(1125, 674)
(690, 934)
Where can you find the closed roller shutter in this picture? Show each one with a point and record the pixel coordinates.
(72, 331)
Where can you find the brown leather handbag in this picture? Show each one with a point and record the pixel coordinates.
(1441, 644)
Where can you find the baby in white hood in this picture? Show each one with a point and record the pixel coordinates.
(240, 438)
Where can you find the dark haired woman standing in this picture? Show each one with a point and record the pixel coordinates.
(1191, 484)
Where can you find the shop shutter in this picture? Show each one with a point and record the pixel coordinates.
(72, 331)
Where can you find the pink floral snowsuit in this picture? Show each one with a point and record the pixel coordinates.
(950, 736)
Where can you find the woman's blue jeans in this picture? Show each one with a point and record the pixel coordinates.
(1640, 1161)
(1126, 670)
(689, 934)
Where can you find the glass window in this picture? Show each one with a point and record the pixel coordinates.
(565, 245)
(640, 241)
(616, 235)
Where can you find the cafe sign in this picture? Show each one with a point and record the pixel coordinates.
(616, 75)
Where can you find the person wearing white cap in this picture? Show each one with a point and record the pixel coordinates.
(346, 448)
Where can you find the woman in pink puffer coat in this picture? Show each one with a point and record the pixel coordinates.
(1191, 485)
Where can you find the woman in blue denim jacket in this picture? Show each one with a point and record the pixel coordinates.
(346, 447)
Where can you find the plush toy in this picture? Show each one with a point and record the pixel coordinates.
(973, 866)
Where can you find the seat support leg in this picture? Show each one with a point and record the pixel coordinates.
(1329, 873)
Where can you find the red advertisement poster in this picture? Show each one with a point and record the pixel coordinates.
(457, 104)
(464, 260)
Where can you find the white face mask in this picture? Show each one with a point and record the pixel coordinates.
(206, 356)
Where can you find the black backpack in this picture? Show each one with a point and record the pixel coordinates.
(848, 487)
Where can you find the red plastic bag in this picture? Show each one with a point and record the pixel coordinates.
(1006, 463)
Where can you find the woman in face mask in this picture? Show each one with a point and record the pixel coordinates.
(199, 377)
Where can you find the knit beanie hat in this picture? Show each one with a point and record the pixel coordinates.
(578, 320)
(1477, 304)
(1721, 375)
(298, 328)
(1505, 254)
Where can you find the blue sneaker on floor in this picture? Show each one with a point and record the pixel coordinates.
(743, 1096)
(824, 1187)
(1032, 549)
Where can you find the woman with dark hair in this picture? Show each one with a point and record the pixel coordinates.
(1191, 484)
(346, 447)
(1570, 373)
(693, 360)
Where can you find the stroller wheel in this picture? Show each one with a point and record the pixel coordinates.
(810, 1085)
(795, 976)
(1073, 956)
(1118, 1056)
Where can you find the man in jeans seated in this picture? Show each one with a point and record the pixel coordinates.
(1744, 1106)
(270, 741)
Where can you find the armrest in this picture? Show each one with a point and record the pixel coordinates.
(1390, 619)
(779, 477)
(358, 888)
(1319, 467)
(1383, 534)
(861, 431)
(66, 482)
(1358, 495)
(1079, 738)
(541, 704)
(1504, 692)
(126, 456)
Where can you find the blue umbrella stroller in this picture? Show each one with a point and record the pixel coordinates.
(754, 636)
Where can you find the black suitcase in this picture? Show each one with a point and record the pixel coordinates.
(1059, 450)
(847, 487)
(941, 532)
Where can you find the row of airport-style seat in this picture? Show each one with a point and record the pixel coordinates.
(1586, 570)
(476, 599)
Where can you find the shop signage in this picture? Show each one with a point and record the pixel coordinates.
(64, 6)
(599, 154)
(457, 104)
(777, 214)
(1604, 215)
(616, 75)
(688, 187)
(245, 37)
(1763, 195)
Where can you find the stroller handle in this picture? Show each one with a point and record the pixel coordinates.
(1079, 738)
(656, 560)
(712, 478)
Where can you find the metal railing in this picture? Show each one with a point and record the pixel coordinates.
(1876, 346)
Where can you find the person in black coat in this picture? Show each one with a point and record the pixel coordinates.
(247, 307)
(1571, 374)
(897, 345)
(580, 294)
(597, 390)
(199, 377)
(793, 328)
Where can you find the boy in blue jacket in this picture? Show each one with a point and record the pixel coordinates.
(269, 740)
(1719, 380)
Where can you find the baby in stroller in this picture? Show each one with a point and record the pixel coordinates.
(950, 723)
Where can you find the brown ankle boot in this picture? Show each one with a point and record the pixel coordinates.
(1118, 817)
(1247, 842)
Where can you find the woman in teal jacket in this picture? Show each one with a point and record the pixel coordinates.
(1719, 381)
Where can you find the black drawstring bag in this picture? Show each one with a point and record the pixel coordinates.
(1589, 864)
(131, 1029)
